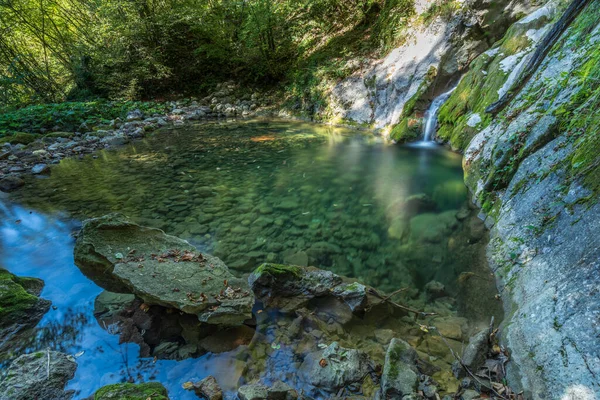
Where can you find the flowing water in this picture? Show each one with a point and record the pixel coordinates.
(251, 192)
(431, 116)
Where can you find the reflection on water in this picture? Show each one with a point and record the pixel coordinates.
(251, 192)
(311, 194)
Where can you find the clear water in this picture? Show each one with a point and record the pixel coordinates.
(249, 192)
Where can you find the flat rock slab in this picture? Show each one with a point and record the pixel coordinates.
(164, 270)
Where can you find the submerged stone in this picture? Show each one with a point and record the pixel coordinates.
(208, 389)
(399, 378)
(130, 391)
(334, 367)
(124, 257)
(40, 375)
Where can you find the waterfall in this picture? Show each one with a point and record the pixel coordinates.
(431, 115)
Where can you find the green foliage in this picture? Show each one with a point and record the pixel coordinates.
(67, 116)
(129, 50)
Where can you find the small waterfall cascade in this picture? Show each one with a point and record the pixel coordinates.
(432, 114)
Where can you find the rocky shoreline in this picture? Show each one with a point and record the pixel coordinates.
(34, 153)
(343, 339)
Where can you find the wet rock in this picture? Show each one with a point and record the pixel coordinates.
(334, 367)
(208, 389)
(40, 375)
(399, 378)
(20, 306)
(131, 391)
(281, 391)
(254, 391)
(417, 204)
(160, 269)
(431, 227)
(290, 287)
(11, 183)
(469, 395)
(474, 355)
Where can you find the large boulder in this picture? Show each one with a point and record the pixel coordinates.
(130, 391)
(399, 376)
(124, 257)
(290, 287)
(41, 375)
(335, 367)
(20, 306)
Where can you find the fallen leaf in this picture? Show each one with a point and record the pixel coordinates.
(188, 385)
(323, 363)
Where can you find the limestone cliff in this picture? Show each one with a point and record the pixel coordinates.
(437, 50)
(535, 170)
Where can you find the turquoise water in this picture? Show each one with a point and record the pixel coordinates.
(254, 191)
(277, 191)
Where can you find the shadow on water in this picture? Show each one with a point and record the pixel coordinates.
(390, 216)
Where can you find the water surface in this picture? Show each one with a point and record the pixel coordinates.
(251, 192)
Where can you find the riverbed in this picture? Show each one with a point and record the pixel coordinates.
(251, 192)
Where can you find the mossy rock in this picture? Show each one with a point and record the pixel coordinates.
(407, 130)
(277, 269)
(130, 391)
(19, 304)
(19, 138)
(59, 134)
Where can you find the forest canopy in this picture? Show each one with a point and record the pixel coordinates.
(56, 50)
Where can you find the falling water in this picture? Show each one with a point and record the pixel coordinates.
(431, 115)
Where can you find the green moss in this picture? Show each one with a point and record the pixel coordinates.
(278, 269)
(19, 138)
(130, 391)
(15, 299)
(407, 130)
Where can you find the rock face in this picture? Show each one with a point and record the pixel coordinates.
(387, 90)
(20, 307)
(537, 181)
(290, 287)
(399, 377)
(334, 367)
(130, 391)
(41, 375)
(160, 269)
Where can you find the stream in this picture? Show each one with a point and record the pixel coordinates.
(251, 192)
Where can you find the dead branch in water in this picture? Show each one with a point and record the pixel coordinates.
(386, 299)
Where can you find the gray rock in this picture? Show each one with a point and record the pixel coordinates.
(341, 367)
(11, 183)
(399, 378)
(208, 389)
(290, 287)
(474, 355)
(40, 375)
(163, 270)
(135, 115)
(254, 391)
(40, 169)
